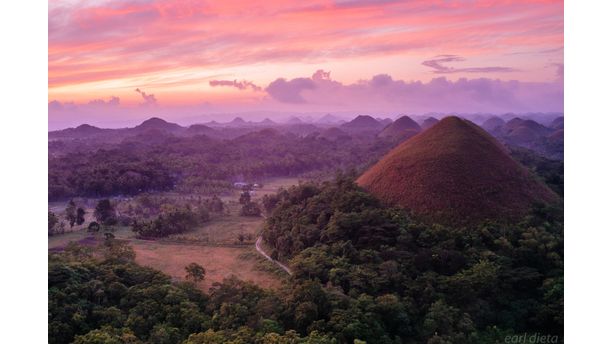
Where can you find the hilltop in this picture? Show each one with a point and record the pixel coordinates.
(362, 124)
(429, 122)
(455, 172)
(403, 128)
(157, 124)
(493, 124)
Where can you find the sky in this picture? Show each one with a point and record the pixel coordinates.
(115, 63)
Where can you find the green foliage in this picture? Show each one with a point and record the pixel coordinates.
(550, 171)
(53, 221)
(250, 209)
(172, 220)
(105, 213)
(361, 273)
(388, 278)
(245, 197)
(195, 164)
(80, 216)
(71, 213)
(195, 272)
(115, 300)
(93, 227)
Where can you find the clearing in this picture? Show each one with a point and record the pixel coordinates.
(215, 246)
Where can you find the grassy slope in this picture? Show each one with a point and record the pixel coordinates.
(455, 173)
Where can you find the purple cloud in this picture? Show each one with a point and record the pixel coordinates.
(149, 99)
(241, 85)
(112, 101)
(437, 64)
(382, 93)
(290, 91)
(321, 75)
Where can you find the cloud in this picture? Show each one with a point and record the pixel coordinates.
(437, 64)
(321, 75)
(290, 91)
(112, 101)
(121, 39)
(55, 105)
(241, 85)
(382, 93)
(149, 99)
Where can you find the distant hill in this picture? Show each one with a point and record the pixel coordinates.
(329, 119)
(403, 128)
(157, 124)
(262, 137)
(200, 129)
(385, 121)
(556, 137)
(333, 134)
(429, 122)
(294, 120)
(300, 129)
(237, 122)
(83, 130)
(455, 173)
(267, 121)
(493, 124)
(557, 123)
(523, 131)
(362, 124)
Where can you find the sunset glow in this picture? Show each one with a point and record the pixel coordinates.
(178, 51)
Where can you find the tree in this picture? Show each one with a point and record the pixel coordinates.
(203, 214)
(93, 227)
(195, 272)
(250, 209)
(118, 251)
(52, 222)
(80, 216)
(71, 213)
(269, 202)
(108, 238)
(105, 213)
(216, 205)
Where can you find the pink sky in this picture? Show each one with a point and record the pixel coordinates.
(113, 62)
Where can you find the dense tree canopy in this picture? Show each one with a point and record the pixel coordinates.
(195, 164)
(361, 272)
(415, 282)
(171, 220)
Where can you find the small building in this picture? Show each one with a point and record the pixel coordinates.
(240, 185)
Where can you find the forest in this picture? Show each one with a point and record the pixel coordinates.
(196, 164)
(361, 272)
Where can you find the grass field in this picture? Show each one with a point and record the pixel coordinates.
(215, 245)
(224, 230)
(219, 262)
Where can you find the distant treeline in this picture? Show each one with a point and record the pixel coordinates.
(197, 164)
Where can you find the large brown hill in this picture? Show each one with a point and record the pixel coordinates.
(455, 173)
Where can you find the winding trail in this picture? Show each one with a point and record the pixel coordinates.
(263, 253)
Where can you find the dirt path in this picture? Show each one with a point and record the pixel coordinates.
(263, 253)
